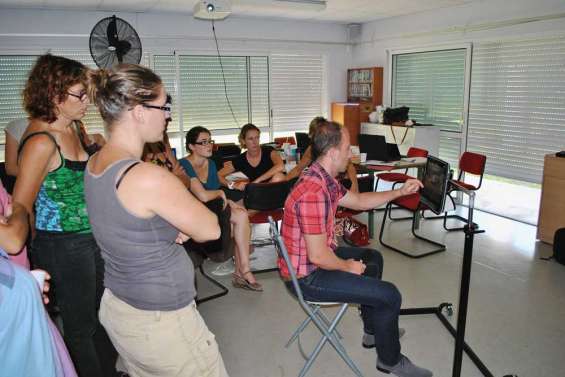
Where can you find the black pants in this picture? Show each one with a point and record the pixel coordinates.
(77, 274)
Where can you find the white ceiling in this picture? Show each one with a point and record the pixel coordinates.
(341, 11)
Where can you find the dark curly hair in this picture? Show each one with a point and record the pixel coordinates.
(49, 80)
(192, 135)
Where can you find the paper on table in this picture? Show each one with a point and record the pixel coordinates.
(237, 176)
(377, 162)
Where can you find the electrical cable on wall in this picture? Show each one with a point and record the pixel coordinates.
(224, 76)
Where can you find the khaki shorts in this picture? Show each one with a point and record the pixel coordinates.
(161, 343)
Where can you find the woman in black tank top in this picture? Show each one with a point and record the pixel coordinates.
(259, 164)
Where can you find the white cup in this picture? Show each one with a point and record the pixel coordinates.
(39, 277)
(363, 157)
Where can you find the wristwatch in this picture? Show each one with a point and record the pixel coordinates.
(231, 185)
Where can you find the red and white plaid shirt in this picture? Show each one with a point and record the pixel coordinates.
(309, 209)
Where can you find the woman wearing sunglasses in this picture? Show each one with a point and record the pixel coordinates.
(205, 184)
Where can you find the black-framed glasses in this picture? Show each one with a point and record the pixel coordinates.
(166, 109)
(81, 97)
(205, 142)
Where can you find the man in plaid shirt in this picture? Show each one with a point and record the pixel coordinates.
(327, 272)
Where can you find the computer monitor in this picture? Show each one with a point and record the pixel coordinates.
(392, 151)
(374, 146)
(436, 180)
(302, 141)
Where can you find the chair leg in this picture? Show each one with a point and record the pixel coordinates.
(440, 247)
(224, 289)
(446, 216)
(327, 337)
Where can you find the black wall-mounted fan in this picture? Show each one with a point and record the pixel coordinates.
(114, 41)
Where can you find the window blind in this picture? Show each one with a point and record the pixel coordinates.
(432, 85)
(196, 84)
(517, 105)
(296, 82)
(14, 70)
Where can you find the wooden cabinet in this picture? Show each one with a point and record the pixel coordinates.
(365, 87)
(348, 115)
(552, 204)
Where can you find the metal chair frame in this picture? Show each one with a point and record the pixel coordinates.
(388, 209)
(328, 327)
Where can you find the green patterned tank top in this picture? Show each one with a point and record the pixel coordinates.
(60, 205)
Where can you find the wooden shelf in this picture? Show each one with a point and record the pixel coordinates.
(552, 203)
(365, 86)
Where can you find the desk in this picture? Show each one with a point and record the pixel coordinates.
(418, 162)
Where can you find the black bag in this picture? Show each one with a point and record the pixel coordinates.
(399, 114)
(559, 246)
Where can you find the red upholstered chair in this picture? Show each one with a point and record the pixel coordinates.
(401, 177)
(469, 163)
(413, 204)
(286, 139)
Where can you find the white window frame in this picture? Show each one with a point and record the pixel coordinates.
(431, 48)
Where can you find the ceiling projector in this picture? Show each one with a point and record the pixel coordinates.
(212, 9)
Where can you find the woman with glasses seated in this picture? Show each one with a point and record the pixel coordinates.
(205, 185)
(50, 181)
(161, 154)
(259, 164)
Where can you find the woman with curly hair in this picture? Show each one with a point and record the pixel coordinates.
(50, 178)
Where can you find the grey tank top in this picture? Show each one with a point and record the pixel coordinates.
(143, 265)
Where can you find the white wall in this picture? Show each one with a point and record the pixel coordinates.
(36, 31)
(487, 20)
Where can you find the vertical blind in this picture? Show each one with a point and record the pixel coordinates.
(14, 70)
(199, 96)
(296, 82)
(517, 105)
(432, 85)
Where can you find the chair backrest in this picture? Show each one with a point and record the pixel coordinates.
(473, 163)
(287, 139)
(266, 196)
(218, 250)
(283, 253)
(417, 152)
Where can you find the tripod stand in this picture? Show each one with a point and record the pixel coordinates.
(459, 332)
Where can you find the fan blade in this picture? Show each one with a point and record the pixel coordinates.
(112, 32)
(122, 49)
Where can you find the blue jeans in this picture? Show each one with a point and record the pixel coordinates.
(380, 300)
(77, 275)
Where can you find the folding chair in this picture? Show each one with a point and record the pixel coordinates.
(314, 312)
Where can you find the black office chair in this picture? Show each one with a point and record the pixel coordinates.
(268, 199)
(219, 250)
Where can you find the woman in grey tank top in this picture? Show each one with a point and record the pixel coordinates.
(138, 211)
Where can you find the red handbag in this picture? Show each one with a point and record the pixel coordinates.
(355, 232)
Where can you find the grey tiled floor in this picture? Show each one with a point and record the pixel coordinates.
(515, 321)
